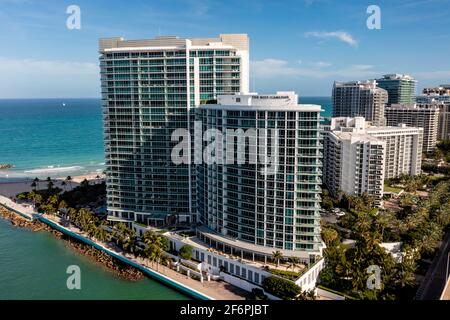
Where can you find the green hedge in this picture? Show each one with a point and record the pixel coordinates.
(292, 275)
(282, 288)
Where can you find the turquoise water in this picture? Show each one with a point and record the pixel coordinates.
(41, 137)
(44, 137)
(325, 102)
(33, 266)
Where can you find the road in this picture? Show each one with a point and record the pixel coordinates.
(435, 278)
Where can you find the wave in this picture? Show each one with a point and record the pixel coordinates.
(53, 169)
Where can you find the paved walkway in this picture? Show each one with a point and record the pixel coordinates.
(218, 290)
(27, 210)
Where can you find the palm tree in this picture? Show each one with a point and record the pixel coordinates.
(151, 237)
(69, 180)
(385, 219)
(277, 256)
(50, 185)
(71, 214)
(125, 236)
(293, 263)
(84, 183)
(99, 233)
(36, 181)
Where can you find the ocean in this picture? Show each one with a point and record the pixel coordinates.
(51, 137)
(61, 137)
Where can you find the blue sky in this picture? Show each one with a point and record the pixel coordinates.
(301, 45)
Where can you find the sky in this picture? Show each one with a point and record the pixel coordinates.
(301, 45)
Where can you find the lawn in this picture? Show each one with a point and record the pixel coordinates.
(391, 189)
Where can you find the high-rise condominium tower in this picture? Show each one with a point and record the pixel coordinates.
(401, 88)
(424, 116)
(359, 98)
(358, 157)
(245, 205)
(149, 89)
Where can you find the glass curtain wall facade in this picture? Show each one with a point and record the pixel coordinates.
(149, 88)
(279, 211)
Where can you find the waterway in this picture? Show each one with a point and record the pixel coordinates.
(33, 265)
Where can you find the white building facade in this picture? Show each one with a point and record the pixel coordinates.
(358, 157)
(424, 116)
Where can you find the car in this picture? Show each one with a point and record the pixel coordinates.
(340, 213)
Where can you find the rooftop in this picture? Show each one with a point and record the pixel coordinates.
(357, 136)
(238, 41)
(413, 106)
(397, 76)
(281, 101)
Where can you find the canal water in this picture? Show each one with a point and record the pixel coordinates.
(33, 265)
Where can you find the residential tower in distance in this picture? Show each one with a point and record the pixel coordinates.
(401, 88)
(424, 116)
(360, 99)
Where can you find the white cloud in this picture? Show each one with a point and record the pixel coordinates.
(321, 64)
(340, 35)
(50, 67)
(33, 78)
(271, 68)
(433, 74)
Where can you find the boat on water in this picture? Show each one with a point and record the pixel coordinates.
(5, 166)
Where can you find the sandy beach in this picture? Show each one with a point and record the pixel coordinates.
(11, 189)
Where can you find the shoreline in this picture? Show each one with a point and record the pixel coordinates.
(209, 290)
(96, 256)
(11, 187)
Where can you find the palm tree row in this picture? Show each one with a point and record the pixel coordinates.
(89, 223)
(155, 248)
